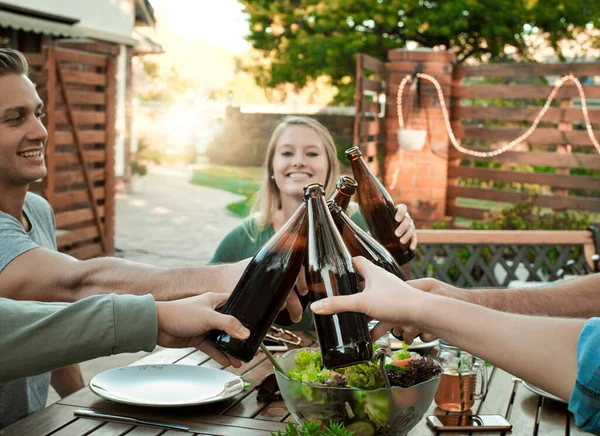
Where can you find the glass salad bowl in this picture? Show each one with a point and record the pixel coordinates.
(385, 411)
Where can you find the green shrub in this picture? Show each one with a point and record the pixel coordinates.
(138, 168)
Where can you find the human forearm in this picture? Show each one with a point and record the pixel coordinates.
(67, 380)
(58, 277)
(39, 337)
(506, 340)
(119, 276)
(577, 298)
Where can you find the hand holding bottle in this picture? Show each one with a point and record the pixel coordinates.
(406, 230)
(386, 298)
(185, 323)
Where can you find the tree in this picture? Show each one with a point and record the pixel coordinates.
(306, 39)
(163, 83)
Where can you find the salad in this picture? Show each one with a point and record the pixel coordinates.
(363, 407)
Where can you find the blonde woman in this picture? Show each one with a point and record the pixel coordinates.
(300, 151)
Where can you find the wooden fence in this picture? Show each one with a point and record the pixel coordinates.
(489, 106)
(368, 122)
(487, 116)
(78, 89)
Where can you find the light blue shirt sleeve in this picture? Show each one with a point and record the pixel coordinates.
(585, 399)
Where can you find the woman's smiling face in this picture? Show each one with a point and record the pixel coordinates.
(300, 158)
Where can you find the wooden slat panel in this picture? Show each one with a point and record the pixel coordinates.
(70, 177)
(147, 431)
(79, 57)
(68, 218)
(368, 148)
(109, 176)
(86, 252)
(39, 78)
(76, 236)
(417, 55)
(194, 359)
(371, 85)
(520, 237)
(34, 59)
(369, 128)
(370, 106)
(527, 70)
(557, 180)
(84, 97)
(521, 91)
(82, 117)
(165, 356)
(576, 160)
(86, 136)
(555, 202)
(64, 159)
(84, 78)
(541, 136)
(42, 423)
(50, 122)
(66, 199)
(523, 411)
(372, 64)
(554, 418)
(524, 114)
(466, 212)
(112, 429)
(79, 427)
(276, 411)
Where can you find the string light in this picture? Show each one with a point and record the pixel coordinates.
(560, 82)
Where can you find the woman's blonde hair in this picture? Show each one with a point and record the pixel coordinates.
(268, 199)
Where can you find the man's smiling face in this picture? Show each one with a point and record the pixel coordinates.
(22, 133)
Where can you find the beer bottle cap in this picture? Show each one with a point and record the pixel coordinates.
(312, 189)
(334, 208)
(353, 153)
(347, 185)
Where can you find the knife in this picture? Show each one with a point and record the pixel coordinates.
(91, 414)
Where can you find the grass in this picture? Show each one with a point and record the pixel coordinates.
(239, 180)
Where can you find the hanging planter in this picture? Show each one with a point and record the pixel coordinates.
(412, 139)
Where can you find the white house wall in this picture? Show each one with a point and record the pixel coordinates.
(120, 112)
(107, 16)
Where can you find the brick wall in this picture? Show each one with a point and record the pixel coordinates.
(246, 135)
(419, 178)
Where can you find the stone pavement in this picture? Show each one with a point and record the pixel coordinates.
(170, 222)
(167, 222)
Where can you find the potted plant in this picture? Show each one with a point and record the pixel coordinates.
(138, 171)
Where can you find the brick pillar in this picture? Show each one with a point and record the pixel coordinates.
(420, 176)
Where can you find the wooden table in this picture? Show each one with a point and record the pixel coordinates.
(243, 415)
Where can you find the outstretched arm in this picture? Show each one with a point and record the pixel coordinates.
(44, 275)
(579, 297)
(541, 350)
(39, 337)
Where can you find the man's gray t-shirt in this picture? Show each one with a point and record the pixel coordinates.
(21, 397)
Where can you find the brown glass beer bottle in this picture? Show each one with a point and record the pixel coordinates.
(264, 287)
(360, 243)
(377, 208)
(343, 338)
(344, 190)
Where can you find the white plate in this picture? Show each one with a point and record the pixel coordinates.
(166, 385)
(417, 344)
(541, 392)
